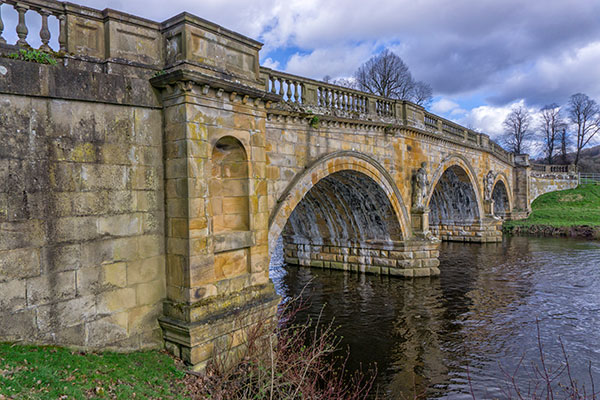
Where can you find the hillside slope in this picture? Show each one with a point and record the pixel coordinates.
(573, 212)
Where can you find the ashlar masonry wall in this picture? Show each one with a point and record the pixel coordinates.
(81, 209)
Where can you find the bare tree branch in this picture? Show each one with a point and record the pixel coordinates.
(551, 127)
(584, 114)
(387, 75)
(516, 128)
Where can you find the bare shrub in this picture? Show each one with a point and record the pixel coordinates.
(292, 361)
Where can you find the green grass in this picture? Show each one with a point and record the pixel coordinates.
(42, 372)
(573, 207)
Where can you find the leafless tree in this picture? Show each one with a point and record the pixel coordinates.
(516, 129)
(387, 75)
(422, 94)
(345, 82)
(564, 138)
(584, 114)
(550, 128)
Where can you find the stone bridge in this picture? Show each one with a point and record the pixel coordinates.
(146, 177)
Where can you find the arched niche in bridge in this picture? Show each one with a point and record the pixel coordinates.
(229, 186)
(454, 201)
(501, 199)
(344, 207)
(350, 161)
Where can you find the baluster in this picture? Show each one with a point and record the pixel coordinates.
(272, 81)
(286, 89)
(344, 101)
(62, 32)
(45, 32)
(329, 97)
(2, 40)
(22, 30)
(301, 98)
(279, 86)
(297, 92)
(291, 91)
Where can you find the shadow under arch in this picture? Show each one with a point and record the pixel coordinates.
(356, 165)
(454, 201)
(501, 194)
(457, 160)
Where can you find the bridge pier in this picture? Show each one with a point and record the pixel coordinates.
(409, 258)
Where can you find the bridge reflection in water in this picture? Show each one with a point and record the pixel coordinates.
(479, 314)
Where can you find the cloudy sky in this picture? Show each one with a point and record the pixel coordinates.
(480, 56)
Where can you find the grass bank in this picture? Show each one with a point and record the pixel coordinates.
(43, 372)
(573, 212)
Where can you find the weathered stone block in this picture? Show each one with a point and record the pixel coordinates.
(74, 229)
(150, 293)
(18, 325)
(66, 313)
(116, 300)
(120, 225)
(51, 288)
(20, 263)
(107, 330)
(230, 264)
(13, 295)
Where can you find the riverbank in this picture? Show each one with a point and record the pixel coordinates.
(570, 213)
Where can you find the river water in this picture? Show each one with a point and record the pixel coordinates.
(437, 337)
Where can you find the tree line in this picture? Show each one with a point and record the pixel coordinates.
(559, 129)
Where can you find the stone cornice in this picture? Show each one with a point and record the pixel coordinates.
(187, 79)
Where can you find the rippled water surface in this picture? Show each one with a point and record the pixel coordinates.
(477, 319)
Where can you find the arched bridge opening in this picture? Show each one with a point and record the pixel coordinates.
(455, 212)
(346, 208)
(501, 201)
(346, 214)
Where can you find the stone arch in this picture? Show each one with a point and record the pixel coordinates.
(356, 164)
(501, 194)
(457, 160)
(454, 201)
(229, 186)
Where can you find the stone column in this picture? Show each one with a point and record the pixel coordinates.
(521, 196)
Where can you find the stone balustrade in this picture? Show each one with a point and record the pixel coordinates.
(46, 9)
(549, 168)
(316, 96)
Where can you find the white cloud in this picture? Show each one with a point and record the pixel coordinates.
(270, 63)
(443, 106)
(337, 62)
